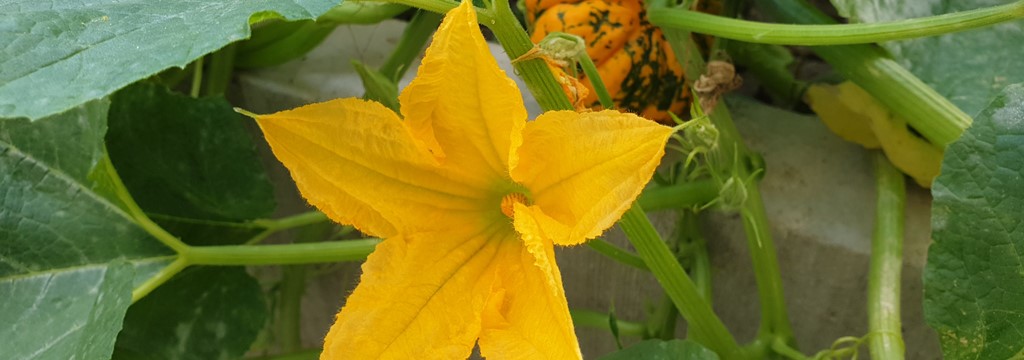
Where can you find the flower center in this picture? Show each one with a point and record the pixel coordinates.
(509, 201)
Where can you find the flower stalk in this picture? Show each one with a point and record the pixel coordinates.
(884, 339)
(706, 327)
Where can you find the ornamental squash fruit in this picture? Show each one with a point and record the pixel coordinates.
(632, 56)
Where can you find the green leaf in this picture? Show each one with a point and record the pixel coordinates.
(62, 259)
(186, 157)
(55, 55)
(974, 279)
(71, 142)
(969, 68)
(71, 315)
(203, 313)
(663, 350)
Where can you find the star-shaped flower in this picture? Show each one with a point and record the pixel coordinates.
(470, 199)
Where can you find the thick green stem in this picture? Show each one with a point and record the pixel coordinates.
(706, 326)
(884, 338)
(679, 196)
(833, 34)
(538, 77)
(597, 320)
(414, 38)
(285, 254)
(928, 112)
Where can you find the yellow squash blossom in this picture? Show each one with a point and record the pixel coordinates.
(469, 197)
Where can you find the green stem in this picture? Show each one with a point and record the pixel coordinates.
(779, 346)
(679, 196)
(538, 77)
(415, 36)
(928, 112)
(706, 326)
(293, 286)
(616, 253)
(438, 6)
(774, 316)
(358, 12)
(133, 209)
(197, 77)
(690, 236)
(695, 250)
(771, 65)
(285, 254)
(303, 219)
(595, 80)
(884, 339)
(160, 278)
(833, 34)
(222, 64)
(663, 320)
(310, 354)
(597, 320)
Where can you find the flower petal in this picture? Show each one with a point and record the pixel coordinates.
(357, 162)
(585, 169)
(462, 107)
(420, 297)
(527, 317)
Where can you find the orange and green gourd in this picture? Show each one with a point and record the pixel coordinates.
(634, 59)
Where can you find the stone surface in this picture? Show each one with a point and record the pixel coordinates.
(818, 191)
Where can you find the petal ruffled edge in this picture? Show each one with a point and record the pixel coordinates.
(584, 170)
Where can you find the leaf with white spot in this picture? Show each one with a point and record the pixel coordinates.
(206, 313)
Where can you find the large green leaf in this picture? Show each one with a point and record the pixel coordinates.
(55, 55)
(63, 275)
(969, 68)
(663, 350)
(186, 157)
(974, 280)
(204, 313)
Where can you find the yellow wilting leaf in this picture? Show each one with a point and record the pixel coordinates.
(856, 116)
(470, 199)
(849, 124)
